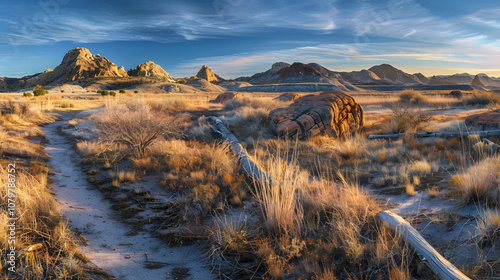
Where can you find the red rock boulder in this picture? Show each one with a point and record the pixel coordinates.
(484, 121)
(288, 96)
(225, 97)
(333, 113)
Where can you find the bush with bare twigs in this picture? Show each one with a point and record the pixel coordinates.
(137, 126)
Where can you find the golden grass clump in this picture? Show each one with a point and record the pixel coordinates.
(488, 228)
(479, 182)
(278, 197)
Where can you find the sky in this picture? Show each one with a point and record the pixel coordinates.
(242, 37)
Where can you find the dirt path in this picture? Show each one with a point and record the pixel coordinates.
(108, 247)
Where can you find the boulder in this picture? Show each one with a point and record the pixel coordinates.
(288, 96)
(225, 97)
(333, 113)
(484, 121)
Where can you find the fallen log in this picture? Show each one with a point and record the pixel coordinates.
(436, 134)
(437, 263)
(491, 142)
(247, 165)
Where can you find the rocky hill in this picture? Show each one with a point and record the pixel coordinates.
(264, 76)
(77, 64)
(150, 69)
(396, 76)
(486, 81)
(355, 77)
(450, 80)
(207, 74)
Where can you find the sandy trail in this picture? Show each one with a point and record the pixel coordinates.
(108, 247)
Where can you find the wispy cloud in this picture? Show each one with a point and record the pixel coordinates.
(172, 22)
(486, 17)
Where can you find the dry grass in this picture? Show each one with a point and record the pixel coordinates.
(488, 228)
(279, 196)
(482, 98)
(479, 182)
(248, 117)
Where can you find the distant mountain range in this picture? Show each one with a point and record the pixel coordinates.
(79, 65)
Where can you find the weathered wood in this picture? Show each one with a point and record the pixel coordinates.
(247, 165)
(436, 134)
(492, 143)
(437, 263)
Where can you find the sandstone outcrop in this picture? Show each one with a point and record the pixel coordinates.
(333, 113)
(207, 74)
(225, 97)
(77, 64)
(288, 96)
(150, 69)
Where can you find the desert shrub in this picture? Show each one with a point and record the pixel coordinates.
(136, 126)
(39, 91)
(67, 105)
(122, 91)
(103, 92)
(112, 93)
(482, 98)
(456, 93)
(62, 90)
(136, 91)
(409, 120)
(27, 94)
(412, 96)
(15, 107)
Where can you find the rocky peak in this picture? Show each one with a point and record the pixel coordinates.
(476, 82)
(207, 74)
(150, 69)
(278, 66)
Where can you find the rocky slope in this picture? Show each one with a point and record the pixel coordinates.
(486, 81)
(450, 80)
(296, 77)
(396, 76)
(207, 74)
(77, 64)
(150, 69)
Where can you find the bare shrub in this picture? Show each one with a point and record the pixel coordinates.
(409, 120)
(136, 126)
(412, 96)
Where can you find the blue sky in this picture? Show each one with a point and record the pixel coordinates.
(238, 37)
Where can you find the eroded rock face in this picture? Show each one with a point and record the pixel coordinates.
(225, 97)
(150, 69)
(78, 64)
(333, 113)
(207, 74)
(288, 96)
(484, 121)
